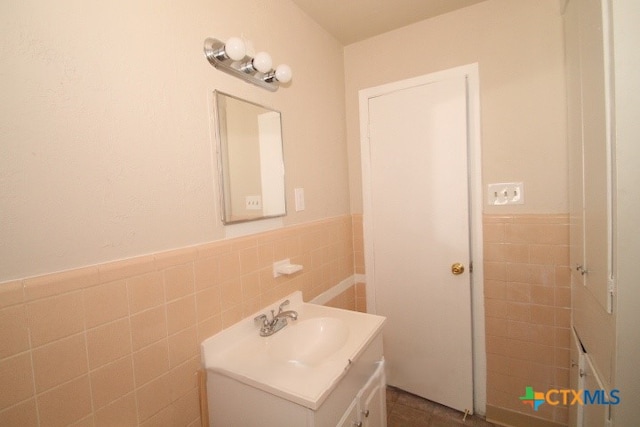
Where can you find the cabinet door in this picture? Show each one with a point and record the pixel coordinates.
(373, 409)
(373, 400)
(576, 378)
(591, 184)
(596, 98)
(593, 415)
(574, 135)
(590, 135)
(350, 417)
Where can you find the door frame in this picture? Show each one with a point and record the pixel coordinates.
(471, 73)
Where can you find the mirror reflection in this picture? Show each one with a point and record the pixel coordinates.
(250, 160)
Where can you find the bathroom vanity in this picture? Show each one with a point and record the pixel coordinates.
(324, 369)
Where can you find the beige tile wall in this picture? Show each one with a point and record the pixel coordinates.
(358, 258)
(527, 308)
(118, 343)
(358, 243)
(346, 300)
(354, 298)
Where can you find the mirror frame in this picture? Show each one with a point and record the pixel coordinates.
(222, 156)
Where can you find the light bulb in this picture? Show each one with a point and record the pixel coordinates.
(283, 73)
(234, 48)
(262, 62)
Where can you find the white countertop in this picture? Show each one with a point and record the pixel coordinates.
(241, 353)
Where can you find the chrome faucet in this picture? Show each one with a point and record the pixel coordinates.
(277, 322)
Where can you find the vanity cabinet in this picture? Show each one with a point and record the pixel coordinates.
(350, 418)
(323, 370)
(373, 401)
(583, 376)
(357, 399)
(368, 409)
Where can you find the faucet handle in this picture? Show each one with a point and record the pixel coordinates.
(283, 305)
(262, 320)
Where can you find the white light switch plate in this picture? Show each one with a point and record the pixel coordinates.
(506, 193)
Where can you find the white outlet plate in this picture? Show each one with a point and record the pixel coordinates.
(506, 193)
(253, 203)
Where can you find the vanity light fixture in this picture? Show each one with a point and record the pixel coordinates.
(231, 58)
(261, 63)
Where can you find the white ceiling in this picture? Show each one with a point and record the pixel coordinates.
(350, 21)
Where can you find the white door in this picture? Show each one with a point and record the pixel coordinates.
(417, 225)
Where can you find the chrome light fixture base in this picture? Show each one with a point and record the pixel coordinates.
(212, 49)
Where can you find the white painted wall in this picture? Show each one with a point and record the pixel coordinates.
(105, 142)
(519, 48)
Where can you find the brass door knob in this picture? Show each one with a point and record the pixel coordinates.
(457, 268)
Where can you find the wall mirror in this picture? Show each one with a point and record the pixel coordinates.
(250, 159)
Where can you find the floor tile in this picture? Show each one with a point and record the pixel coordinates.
(408, 410)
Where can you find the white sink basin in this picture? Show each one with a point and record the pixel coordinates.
(303, 361)
(309, 342)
